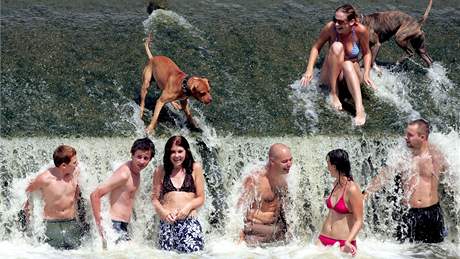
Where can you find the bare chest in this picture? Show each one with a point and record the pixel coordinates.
(58, 189)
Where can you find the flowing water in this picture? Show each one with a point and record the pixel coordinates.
(71, 70)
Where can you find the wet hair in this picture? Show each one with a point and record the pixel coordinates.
(349, 10)
(144, 144)
(423, 126)
(63, 154)
(188, 161)
(339, 158)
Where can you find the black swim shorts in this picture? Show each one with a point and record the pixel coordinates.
(422, 225)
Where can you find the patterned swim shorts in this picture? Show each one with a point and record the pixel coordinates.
(183, 236)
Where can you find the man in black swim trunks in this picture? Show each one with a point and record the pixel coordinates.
(423, 220)
(122, 186)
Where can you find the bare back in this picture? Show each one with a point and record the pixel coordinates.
(165, 71)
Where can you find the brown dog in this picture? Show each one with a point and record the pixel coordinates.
(175, 85)
(407, 31)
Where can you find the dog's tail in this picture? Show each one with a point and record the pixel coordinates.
(147, 42)
(427, 11)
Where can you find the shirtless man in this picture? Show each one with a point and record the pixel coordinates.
(122, 186)
(60, 192)
(264, 193)
(423, 219)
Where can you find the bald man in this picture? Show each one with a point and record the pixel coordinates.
(264, 192)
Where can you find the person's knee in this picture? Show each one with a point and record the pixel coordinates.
(336, 48)
(348, 67)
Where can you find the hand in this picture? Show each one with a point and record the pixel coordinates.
(26, 213)
(348, 248)
(168, 216)
(184, 212)
(265, 217)
(102, 234)
(368, 81)
(242, 237)
(365, 194)
(100, 229)
(306, 78)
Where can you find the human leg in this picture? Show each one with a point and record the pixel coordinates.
(331, 71)
(429, 225)
(166, 236)
(352, 78)
(122, 230)
(63, 234)
(190, 235)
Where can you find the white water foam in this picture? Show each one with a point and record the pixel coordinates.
(304, 99)
(171, 18)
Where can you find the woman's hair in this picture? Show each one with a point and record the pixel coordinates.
(188, 161)
(339, 158)
(349, 10)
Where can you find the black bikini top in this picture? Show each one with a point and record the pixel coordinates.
(187, 186)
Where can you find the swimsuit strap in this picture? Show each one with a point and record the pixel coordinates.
(336, 34)
(333, 189)
(354, 37)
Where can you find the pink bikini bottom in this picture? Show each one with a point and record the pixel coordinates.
(327, 241)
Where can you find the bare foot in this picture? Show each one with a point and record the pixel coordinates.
(176, 105)
(360, 119)
(335, 102)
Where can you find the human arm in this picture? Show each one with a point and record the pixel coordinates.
(258, 216)
(356, 206)
(117, 179)
(377, 182)
(198, 201)
(157, 186)
(314, 52)
(363, 35)
(35, 184)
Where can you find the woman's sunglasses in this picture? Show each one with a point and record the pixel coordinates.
(340, 22)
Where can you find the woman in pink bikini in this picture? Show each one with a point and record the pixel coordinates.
(345, 204)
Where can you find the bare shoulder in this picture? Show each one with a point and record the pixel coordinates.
(123, 172)
(328, 29)
(434, 150)
(197, 167)
(159, 171)
(353, 188)
(438, 156)
(45, 176)
(360, 28)
(253, 177)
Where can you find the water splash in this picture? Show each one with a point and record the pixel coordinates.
(165, 18)
(304, 99)
(393, 87)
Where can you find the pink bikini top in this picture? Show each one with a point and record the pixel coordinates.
(340, 207)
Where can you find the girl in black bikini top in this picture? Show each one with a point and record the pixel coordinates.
(188, 185)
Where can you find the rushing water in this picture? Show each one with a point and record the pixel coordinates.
(70, 73)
